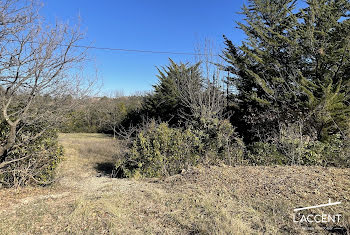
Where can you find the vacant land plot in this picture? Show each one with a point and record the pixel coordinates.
(215, 200)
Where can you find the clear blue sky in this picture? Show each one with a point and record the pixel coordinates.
(158, 25)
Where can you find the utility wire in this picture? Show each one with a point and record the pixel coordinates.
(141, 51)
(130, 50)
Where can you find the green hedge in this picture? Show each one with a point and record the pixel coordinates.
(159, 150)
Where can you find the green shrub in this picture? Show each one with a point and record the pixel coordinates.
(301, 151)
(334, 152)
(159, 150)
(162, 151)
(260, 153)
(220, 141)
(33, 162)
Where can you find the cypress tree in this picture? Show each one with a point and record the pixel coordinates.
(262, 68)
(165, 103)
(324, 67)
(293, 67)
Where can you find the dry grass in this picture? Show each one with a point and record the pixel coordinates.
(83, 154)
(215, 200)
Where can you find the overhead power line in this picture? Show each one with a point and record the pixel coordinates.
(142, 51)
(132, 50)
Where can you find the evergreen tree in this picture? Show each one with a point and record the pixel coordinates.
(293, 67)
(165, 103)
(263, 69)
(324, 66)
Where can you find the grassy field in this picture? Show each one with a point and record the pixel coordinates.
(204, 200)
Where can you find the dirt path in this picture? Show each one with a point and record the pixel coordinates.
(82, 176)
(77, 174)
(87, 156)
(89, 161)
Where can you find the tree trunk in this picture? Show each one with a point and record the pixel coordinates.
(114, 131)
(10, 140)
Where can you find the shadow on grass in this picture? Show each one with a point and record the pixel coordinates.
(107, 169)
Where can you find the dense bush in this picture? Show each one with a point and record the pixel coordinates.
(221, 143)
(78, 122)
(260, 153)
(159, 150)
(101, 114)
(31, 160)
(335, 152)
(290, 151)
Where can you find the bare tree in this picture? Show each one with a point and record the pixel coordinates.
(113, 113)
(202, 90)
(35, 71)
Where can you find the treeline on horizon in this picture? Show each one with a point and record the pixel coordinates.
(284, 101)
